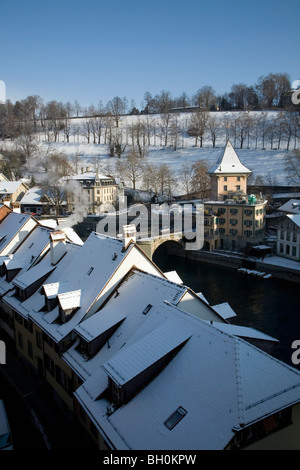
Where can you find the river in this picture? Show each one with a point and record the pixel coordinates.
(271, 306)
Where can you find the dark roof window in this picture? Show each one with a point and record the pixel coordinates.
(175, 417)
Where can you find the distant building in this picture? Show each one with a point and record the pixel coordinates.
(288, 237)
(97, 189)
(36, 202)
(11, 192)
(232, 219)
(291, 207)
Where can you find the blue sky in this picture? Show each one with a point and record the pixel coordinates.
(94, 50)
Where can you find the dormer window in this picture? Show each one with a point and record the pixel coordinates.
(69, 302)
(131, 369)
(20, 293)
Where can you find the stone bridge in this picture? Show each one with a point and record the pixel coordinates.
(149, 245)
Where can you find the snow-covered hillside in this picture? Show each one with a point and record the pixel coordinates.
(265, 138)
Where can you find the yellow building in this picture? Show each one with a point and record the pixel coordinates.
(96, 190)
(232, 218)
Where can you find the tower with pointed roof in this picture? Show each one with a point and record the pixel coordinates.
(229, 176)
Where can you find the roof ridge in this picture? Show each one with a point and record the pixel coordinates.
(239, 388)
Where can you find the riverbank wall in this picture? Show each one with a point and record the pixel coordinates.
(235, 261)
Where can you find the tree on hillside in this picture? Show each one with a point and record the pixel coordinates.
(200, 179)
(205, 98)
(116, 108)
(198, 125)
(292, 166)
(131, 167)
(272, 89)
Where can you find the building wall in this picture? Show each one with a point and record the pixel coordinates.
(94, 195)
(231, 226)
(288, 240)
(224, 185)
(284, 439)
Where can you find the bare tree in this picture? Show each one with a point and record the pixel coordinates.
(201, 180)
(186, 177)
(198, 125)
(116, 108)
(131, 167)
(292, 165)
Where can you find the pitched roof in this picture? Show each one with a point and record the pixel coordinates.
(229, 163)
(233, 385)
(292, 206)
(294, 218)
(11, 226)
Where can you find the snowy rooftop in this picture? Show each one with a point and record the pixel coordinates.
(294, 218)
(11, 226)
(36, 302)
(234, 384)
(33, 196)
(292, 206)
(229, 162)
(9, 187)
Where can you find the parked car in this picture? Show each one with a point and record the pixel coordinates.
(5, 434)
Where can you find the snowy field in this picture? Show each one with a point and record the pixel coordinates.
(268, 163)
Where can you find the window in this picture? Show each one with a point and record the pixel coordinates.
(238, 178)
(20, 340)
(225, 178)
(29, 348)
(175, 417)
(38, 338)
(225, 187)
(238, 187)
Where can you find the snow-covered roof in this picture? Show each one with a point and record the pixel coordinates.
(224, 310)
(229, 163)
(33, 196)
(173, 276)
(91, 271)
(292, 206)
(221, 381)
(294, 218)
(158, 343)
(244, 332)
(12, 226)
(90, 175)
(36, 301)
(9, 187)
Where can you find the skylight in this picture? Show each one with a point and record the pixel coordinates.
(146, 310)
(175, 417)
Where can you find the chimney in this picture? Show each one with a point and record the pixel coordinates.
(129, 235)
(57, 246)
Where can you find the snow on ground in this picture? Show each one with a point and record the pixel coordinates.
(267, 163)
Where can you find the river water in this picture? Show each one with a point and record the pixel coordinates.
(271, 306)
